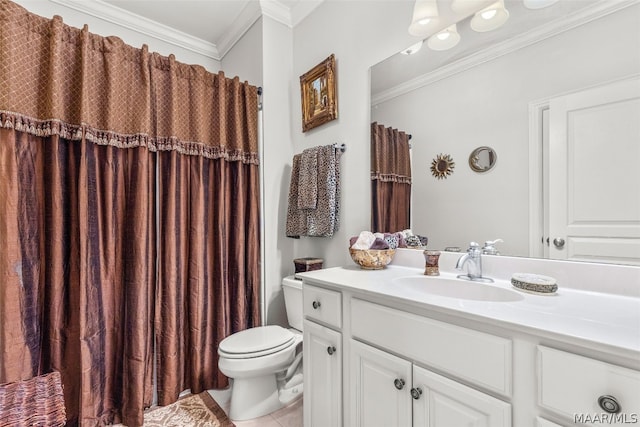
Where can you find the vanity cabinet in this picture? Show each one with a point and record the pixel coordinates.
(379, 384)
(595, 392)
(387, 390)
(322, 359)
(408, 359)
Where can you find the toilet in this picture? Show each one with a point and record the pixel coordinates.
(265, 362)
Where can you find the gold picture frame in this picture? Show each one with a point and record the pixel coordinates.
(318, 91)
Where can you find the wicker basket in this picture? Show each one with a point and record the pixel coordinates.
(307, 264)
(35, 402)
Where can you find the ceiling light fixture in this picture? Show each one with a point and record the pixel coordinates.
(490, 17)
(465, 7)
(538, 4)
(425, 16)
(445, 39)
(412, 49)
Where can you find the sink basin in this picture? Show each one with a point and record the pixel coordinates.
(456, 288)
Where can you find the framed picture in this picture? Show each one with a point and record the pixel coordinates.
(318, 91)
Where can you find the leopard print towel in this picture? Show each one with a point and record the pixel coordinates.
(324, 220)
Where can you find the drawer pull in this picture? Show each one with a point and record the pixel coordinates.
(331, 349)
(609, 404)
(316, 305)
(399, 383)
(416, 392)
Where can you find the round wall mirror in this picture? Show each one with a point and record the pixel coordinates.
(482, 159)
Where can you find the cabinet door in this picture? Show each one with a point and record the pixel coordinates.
(380, 388)
(446, 403)
(322, 376)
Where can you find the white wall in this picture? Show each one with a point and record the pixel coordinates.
(245, 58)
(104, 28)
(360, 34)
(488, 105)
(278, 149)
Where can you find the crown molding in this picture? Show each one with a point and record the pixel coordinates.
(249, 15)
(142, 25)
(276, 11)
(555, 27)
(302, 9)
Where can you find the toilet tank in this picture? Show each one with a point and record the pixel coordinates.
(292, 289)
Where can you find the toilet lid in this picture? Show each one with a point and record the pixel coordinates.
(254, 342)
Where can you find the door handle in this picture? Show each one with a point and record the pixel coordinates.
(399, 383)
(331, 349)
(558, 242)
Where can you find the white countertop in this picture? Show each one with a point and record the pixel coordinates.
(609, 322)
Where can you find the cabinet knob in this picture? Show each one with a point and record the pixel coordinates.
(399, 383)
(609, 404)
(558, 242)
(331, 349)
(416, 392)
(316, 305)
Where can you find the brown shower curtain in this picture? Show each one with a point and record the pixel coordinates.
(91, 130)
(209, 262)
(390, 179)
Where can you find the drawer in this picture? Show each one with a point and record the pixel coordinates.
(322, 304)
(571, 385)
(541, 422)
(477, 357)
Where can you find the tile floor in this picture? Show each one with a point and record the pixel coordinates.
(289, 416)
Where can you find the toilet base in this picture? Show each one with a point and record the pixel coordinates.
(253, 397)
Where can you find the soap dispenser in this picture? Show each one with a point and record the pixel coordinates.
(489, 247)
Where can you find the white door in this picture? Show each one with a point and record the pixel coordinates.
(446, 403)
(322, 376)
(594, 174)
(380, 388)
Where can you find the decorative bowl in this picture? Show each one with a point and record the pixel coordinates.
(372, 259)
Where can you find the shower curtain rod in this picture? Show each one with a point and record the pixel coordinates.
(341, 147)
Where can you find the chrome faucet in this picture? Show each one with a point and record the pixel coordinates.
(473, 262)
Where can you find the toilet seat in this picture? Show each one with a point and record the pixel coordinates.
(256, 342)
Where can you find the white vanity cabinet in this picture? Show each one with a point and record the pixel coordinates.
(387, 390)
(322, 405)
(587, 390)
(407, 358)
(379, 384)
(393, 390)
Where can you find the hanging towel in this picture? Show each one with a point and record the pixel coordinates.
(296, 218)
(324, 220)
(308, 179)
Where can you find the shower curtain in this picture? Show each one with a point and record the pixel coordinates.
(390, 179)
(113, 161)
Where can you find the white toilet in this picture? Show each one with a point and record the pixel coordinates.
(265, 363)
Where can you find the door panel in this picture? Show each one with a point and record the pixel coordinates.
(322, 376)
(594, 174)
(446, 403)
(375, 399)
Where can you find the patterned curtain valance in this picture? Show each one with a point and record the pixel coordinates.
(60, 80)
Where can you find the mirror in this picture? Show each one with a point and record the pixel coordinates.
(483, 93)
(442, 166)
(482, 159)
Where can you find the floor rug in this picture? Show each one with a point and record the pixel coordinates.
(199, 410)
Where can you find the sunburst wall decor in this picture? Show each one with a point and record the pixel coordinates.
(442, 166)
